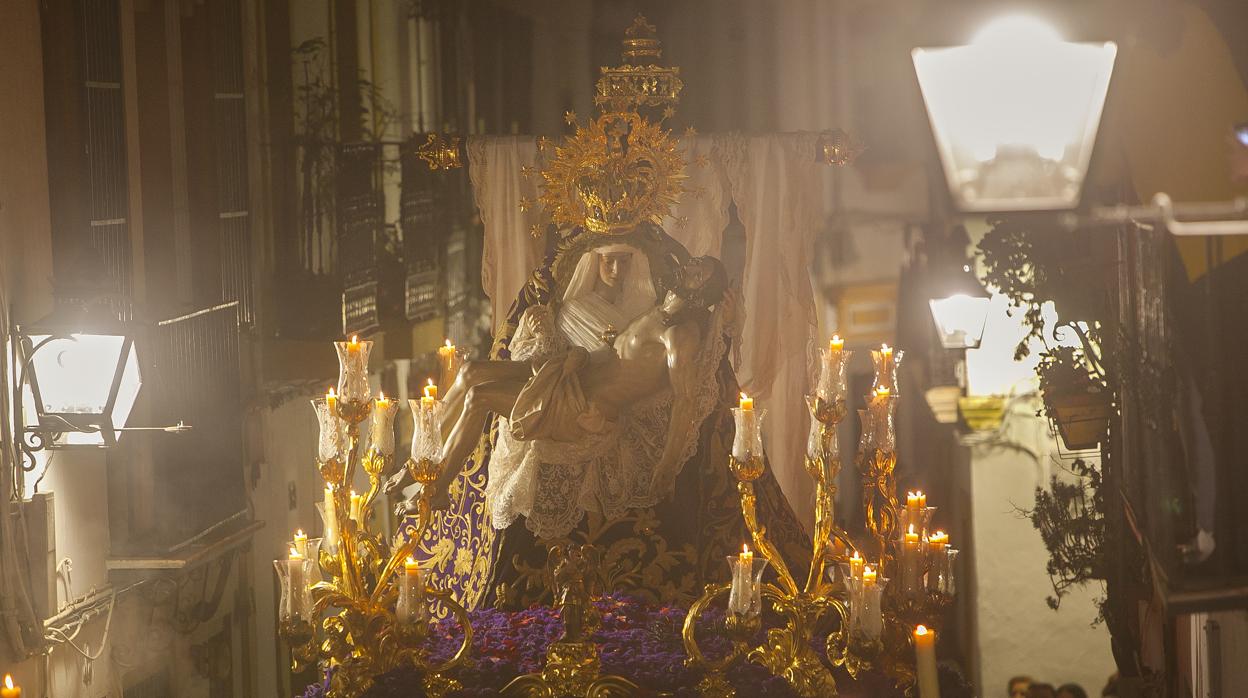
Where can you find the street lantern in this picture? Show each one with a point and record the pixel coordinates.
(959, 307)
(1015, 114)
(84, 377)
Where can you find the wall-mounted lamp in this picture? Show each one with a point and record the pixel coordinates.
(959, 308)
(82, 369)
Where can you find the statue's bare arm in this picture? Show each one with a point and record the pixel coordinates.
(683, 343)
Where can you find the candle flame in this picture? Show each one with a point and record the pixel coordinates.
(331, 393)
(410, 561)
(918, 493)
(293, 552)
(448, 344)
(745, 548)
(855, 557)
(885, 349)
(355, 339)
(911, 529)
(299, 533)
(940, 534)
(921, 630)
(836, 338)
(744, 396)
(381, 396)
(868, 571)
(8, 681)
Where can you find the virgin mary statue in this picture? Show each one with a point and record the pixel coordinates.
(610, 287)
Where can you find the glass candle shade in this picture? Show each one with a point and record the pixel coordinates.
(832, 367)
(940, 576)
(326, 510)
(411, 608)
(881, 424)
(353, 370)
(426, 432)
(886, 360)
(296, 597)
(745, 599)
(381, 436)
(866, 617)
(747, 441)
(332, 441)
(310, 548)
(920, 518)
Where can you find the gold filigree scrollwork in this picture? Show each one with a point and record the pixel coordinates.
(572, 664)
(441, 152)
(354, 629)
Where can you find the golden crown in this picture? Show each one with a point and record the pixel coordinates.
(620, 169)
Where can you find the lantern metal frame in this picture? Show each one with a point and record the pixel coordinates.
(49, 427)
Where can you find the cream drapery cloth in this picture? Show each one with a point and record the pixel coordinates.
(775, 182)
(510, 253)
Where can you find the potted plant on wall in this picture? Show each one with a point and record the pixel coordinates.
(1076, 399)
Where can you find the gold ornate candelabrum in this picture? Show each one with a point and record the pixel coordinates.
(352, 602)
(873, 615)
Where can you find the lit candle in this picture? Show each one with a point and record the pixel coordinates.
(331, 401)
(855, 566)
(911, 537)
(10, 689)
(836, 345)
(448, 359)
(882, 392)
(744, 597)
(922, 500)
(301, 543)
(410, 607)
(356, 504)
(383, 425)
(886, 351)
(353, 346)
(430, 396)
(868, 577)
(938, 541)
(925, 662)
(912, 500)
(747, 403)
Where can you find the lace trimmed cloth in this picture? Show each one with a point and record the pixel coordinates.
(553, 484)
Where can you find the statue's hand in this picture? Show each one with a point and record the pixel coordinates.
(395, 481)
(405, 508)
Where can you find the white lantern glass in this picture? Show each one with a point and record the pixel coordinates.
(1015, 114)
(89, 379)
(960, 319)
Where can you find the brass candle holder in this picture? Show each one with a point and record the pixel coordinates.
(873, 615)
(352, 628)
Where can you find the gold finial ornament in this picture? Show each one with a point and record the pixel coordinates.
(639, 81)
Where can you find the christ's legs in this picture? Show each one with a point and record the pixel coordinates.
(474, 373)
(478, 402)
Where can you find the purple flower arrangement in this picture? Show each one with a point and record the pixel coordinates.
(638, 641)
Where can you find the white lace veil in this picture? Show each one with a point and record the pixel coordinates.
(638, 294)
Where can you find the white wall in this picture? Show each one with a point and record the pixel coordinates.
(1017, 632)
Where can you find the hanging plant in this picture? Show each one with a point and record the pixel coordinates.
(1076, 399)
(1031, 261)
(1070, 517)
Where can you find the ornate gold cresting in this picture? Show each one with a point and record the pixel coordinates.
(639, 81)
(572, 664)
(353, 629)
(441, 152)
(786, 651)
